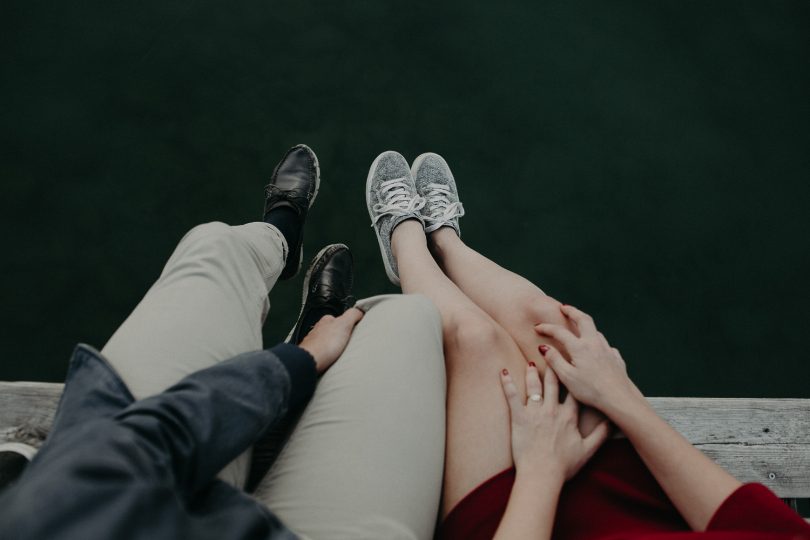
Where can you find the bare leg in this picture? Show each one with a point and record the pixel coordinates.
(476, 348)
(511, 300)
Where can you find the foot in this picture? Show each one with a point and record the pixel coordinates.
(391, 198)
(294, 185)
(435, 183)
(327, 289)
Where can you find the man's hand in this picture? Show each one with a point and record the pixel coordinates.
(329, 337)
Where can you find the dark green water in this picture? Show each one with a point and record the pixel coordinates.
(648, 162)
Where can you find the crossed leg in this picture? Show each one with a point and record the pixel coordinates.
(207, 306)
(488, 319)
(511, 300)
(476, 348)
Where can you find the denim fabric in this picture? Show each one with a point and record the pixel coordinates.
(114, 467)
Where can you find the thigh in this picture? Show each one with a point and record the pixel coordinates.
(527, 307)
(208, 305)
(478, 423)
(365, 460)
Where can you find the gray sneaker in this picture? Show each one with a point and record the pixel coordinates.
(435, 183)
(391, 198)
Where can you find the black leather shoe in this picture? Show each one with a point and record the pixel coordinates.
(294, 184)
(327, 289)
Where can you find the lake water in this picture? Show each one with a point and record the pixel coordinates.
(648, 162)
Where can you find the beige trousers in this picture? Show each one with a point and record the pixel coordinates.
(365, 459)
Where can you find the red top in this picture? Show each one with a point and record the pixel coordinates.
(614, 497)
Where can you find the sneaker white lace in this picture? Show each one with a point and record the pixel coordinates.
(396, 201)
(442, 209)
(391, 198)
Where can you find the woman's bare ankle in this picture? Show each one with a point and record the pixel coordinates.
(405, 234)
(442, 239)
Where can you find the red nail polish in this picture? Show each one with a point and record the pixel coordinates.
(532, 364)
(543, 349)
(505, 371)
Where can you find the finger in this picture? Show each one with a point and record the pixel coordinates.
(582, 320)
(603, 339)
(533, 385)
(599, 435)
(351, 316)
(571, 405)
(510, 391)
(551, 388)
(560, 333)
(558, 363)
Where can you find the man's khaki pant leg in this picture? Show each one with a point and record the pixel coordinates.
(365, 461)
(208, 305)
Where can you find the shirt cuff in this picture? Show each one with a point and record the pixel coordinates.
(301, 367)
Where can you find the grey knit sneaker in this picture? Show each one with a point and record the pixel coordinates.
(435, 183)
(391, 198)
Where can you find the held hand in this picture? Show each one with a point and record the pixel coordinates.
(329, 337)
(545, 436)
(596, 373)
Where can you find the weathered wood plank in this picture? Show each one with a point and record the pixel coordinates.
(784, 468)
(27, 409)
(738, 420)
(757, 440)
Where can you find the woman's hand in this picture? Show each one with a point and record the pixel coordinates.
(596, 373)
(545, 436)
(329, 337)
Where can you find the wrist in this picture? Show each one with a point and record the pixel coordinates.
(301, 370)
(545, 473)
(631, 403)
(316, 355)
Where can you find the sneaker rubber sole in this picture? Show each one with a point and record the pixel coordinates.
(388, 270)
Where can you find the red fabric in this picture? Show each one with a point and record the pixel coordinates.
(615, 497)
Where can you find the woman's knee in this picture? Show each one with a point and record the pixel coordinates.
(536, 308)
(471, 332)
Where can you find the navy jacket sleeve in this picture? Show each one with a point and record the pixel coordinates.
(301, 368)
(109, 460)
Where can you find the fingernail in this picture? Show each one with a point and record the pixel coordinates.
(543, 349)
(505, 371)
(532, 364)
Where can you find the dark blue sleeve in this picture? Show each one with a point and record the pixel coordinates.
(103, 473)
(301, 369)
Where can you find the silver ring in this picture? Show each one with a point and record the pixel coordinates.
(535, 397)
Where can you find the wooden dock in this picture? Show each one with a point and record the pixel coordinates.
(756, 440)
